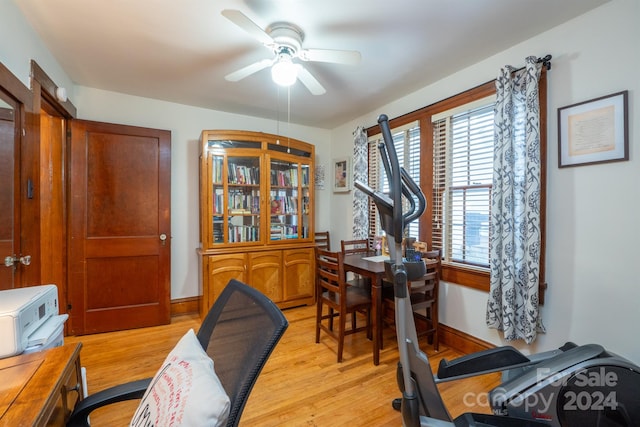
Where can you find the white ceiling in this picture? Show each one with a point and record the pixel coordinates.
(180, 50)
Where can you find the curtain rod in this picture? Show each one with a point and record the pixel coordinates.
(546, 61)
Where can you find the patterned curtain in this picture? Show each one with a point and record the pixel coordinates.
(360, 173)
(515, 206)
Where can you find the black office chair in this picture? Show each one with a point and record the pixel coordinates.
(243, 327)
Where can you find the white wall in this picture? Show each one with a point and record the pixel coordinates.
(592, 211)
(19, 44)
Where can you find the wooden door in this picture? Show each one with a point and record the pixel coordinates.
(119, 227)
(8, 201)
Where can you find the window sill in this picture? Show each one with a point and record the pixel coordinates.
(465, 276)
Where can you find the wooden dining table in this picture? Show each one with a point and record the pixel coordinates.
(371, 266)
(363, 265)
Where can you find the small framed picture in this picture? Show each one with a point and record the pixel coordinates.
(342, 174)
(594, 131)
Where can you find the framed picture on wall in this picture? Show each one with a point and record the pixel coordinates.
(342, 174)
(594, 131)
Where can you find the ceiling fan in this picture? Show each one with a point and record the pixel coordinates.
(285, 40)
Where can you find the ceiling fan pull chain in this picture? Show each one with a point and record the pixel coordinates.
(278, 116)
(288, 119)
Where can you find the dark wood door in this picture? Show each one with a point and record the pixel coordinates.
(119, 227)
(9, 204)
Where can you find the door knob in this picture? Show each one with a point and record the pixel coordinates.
(163, 238)
(11, 261)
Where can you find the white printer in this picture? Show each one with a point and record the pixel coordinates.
(29, 319)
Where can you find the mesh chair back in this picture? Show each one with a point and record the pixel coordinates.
(239, 334)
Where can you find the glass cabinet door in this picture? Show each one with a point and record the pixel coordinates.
(306, 200)
(243, 199)
(284, 195)
(234, 203)
(217, 201)
(289, 199)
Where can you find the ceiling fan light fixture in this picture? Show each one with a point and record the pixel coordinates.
(284, 72)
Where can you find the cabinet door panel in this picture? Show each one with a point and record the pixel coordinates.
(221, 269)
(264, 273)
(299, 273)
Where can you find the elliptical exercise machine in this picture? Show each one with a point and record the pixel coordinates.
(573, 386)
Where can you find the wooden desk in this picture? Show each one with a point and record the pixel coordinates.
(40, 389)
(357, 263)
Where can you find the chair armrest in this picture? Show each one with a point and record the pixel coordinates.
(128, 391)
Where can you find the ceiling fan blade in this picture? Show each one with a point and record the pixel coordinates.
(248, 70)
(309, 81)
(242, 21)
(349, 57)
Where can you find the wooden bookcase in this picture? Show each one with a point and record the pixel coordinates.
(256, 215)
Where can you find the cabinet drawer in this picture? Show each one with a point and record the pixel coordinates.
(67, 395)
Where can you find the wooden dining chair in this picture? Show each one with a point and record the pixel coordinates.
(322, 240)
(354, 247)
(360, 246)
(340, 299)
(423, 298)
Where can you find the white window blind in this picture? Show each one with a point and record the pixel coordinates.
(406, 140)
(462, 176)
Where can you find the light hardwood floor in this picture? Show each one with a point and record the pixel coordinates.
(301, 384)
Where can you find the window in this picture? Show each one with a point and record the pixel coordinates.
(468, 191)
(463, 141)
(406, 140)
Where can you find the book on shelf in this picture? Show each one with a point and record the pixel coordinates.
(243, 203)
(216, 169)
(242, 174)
(276, 206)
(217, 203)
(277, 232)
(218, 234)
(243, 233)
(285, 178)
